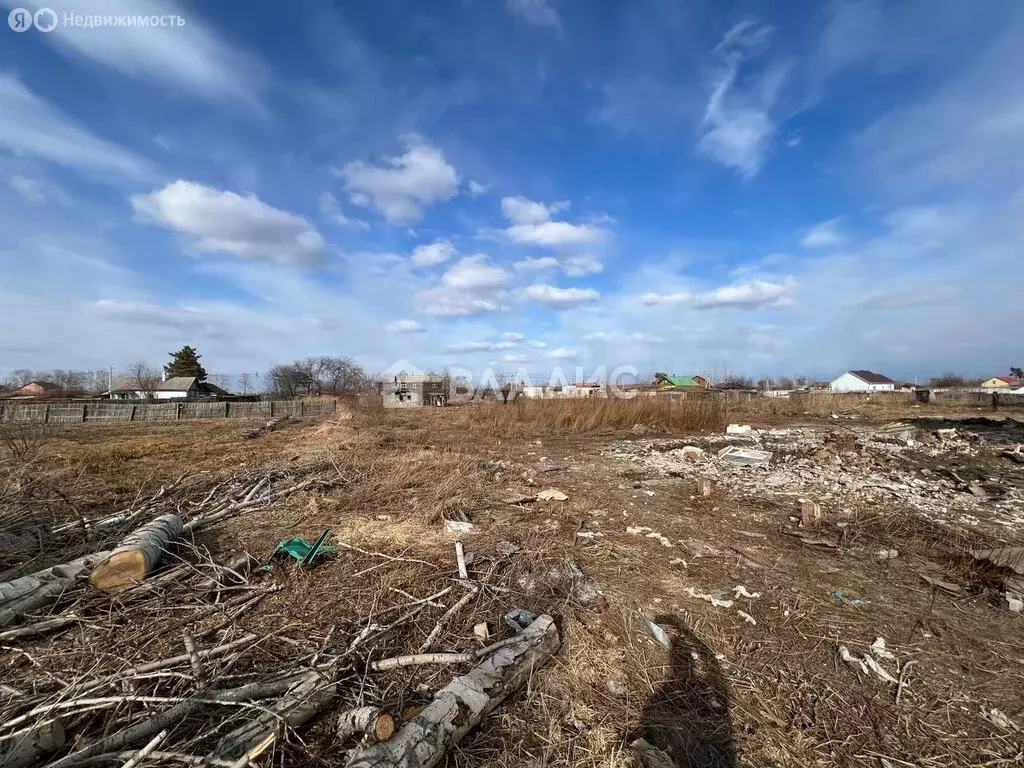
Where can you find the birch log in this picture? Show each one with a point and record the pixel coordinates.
(137, 556)
(31, 747)
(376, 723)
(29, 592)
(316, 691)
(463, 703)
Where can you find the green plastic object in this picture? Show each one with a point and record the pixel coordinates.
(302, 550)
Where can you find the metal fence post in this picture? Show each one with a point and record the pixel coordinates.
(83, 413)
(302, 407)
(271, 409)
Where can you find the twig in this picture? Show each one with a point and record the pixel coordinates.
(147, 750)
(903, 679)
(418, 659)
(445, 618)
(460, 557)
(193, 658)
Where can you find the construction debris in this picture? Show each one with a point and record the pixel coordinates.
(750, 457)
(738, 429)
(1003, 557)
(551, 494)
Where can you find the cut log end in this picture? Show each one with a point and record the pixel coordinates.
(119, 571)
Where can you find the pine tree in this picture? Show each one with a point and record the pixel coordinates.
(185, 362)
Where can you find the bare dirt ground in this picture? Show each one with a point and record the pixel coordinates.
(758, 603)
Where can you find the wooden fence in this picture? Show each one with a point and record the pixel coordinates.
(107, 410)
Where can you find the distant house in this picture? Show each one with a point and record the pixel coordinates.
(36, 389)
(404, 390)
(863, 381)
(1000, 382)
(664, 381)
(174, 388)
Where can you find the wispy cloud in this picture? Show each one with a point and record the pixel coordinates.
(537, 12)
(757, 294)
(827, 234)
(29, 125)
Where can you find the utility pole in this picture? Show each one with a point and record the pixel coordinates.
(257, 383)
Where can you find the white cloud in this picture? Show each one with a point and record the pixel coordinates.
(553, 297)
(227, 222)
(331, 210)
(537, 344)
(536, 265)
(512, 336)
(432, 253)
(824, 235)
(445, 302)
(36, 191)
(474, 273)
(531, 224)
(624, 338)
(583, 264)
(536, 12)
(405, 326)
(738, 127)
(413, 181)
(471, 286)
(563, 353)
(757, 294)
(520, 210)
(31, 126)
(192, 58)
(476, 188)
(516, 358)
(479, 346)
(906, 298)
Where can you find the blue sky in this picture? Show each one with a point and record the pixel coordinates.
(756, 187)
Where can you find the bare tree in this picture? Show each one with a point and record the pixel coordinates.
(20, 377)
(144, 378)
(243, 383)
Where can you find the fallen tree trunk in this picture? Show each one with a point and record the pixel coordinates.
(316, 692)
(32, 747)
(137, 556)
(37, 589)
(463, 703)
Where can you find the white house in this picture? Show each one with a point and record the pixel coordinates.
(174, 388)
(863, 381)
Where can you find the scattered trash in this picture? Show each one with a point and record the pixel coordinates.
(482, 632)
(875, 667)
(1016, 455)
(643, 530)
(848, 599)
(551, 494)
(945, 434)
(738, 429)
(878, 648)
(741, 591)
(616, 688)
(1013, 601)
(519, 619)
(1004, 557)
(301, 550)
(853, 661)
(678, 561)
(657, 632)
(747, 617)
(458, 526)
(589, 535)
(945, 586)
(716, 598)
(691, 452)
(999, 719)
(888, 554)
(703, 487)
(744, 456)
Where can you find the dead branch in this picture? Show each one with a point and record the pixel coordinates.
(463, 703)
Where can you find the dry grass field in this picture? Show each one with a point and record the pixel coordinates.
(759, 682)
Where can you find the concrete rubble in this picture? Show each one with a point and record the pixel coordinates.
(937, 473)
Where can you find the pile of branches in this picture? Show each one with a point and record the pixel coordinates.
(76, 690)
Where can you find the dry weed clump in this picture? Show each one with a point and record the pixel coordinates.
(582, 415)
